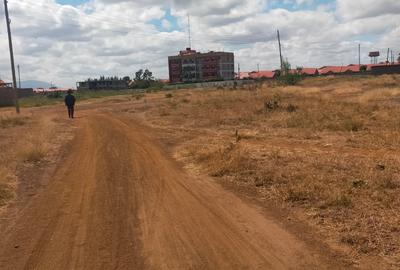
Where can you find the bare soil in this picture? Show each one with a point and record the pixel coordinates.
(118, 200)
(264, 177)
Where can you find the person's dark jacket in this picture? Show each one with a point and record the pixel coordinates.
(69, 100)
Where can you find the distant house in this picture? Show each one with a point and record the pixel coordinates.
(266, 74)
(111, 83)
(332, 70)
(4, 84)
(242, 76)
(254, 75)
(385, 69)
(305, 71)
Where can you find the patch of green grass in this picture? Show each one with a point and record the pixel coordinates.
(40, 100)
(85, 95)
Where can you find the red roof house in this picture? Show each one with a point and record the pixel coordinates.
(266, 74)
(330, 70)
(4, 84)
(305, 71)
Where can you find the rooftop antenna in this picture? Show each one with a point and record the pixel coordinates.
(189, 32)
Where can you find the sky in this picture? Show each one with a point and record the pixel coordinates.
(65, 41)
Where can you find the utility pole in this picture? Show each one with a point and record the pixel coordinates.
(239, 71)
(387, 57)
(280, 51)
(392, 56)
(258, 68)
(10, 45)
(359, 55)
(19, 78)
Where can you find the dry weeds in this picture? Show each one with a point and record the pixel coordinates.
(328, 147)
(26, 140)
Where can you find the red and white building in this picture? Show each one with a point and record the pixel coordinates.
(192, 66)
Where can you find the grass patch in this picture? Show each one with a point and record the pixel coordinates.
(6, 194)
(34, 154)
(39, 100)
(6, 122)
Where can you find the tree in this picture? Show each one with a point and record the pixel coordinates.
(286, 77)
(126, 78)
(144, 79)
(139, 75)
(148, 75)
(286, 66)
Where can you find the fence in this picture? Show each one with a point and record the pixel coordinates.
(7, 95)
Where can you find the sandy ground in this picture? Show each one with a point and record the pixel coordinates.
(118, 200)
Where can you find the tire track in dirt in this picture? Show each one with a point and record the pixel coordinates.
(120, 202)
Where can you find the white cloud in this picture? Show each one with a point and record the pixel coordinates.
(367, 8)
(65, 44)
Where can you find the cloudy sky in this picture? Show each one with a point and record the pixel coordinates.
(64, 41)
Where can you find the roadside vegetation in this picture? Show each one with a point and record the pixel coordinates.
(30, 141)
(39, 100)
(326, 148)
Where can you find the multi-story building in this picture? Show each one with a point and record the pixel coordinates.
(192, 66)
(112, 83)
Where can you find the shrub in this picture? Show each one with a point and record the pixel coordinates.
(291, 108)
(56, 95)
(290, 79)
(5, 194)
(6, 122)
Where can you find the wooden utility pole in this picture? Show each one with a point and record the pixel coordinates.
(239, 71)
(10, 45)
(387, 57)
(280, 51)
(359, 55)
(19, 77)
(392, 56)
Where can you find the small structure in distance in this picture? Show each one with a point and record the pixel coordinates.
(103, 83)
(374, 57)
(4, 84)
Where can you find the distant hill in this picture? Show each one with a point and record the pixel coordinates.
(35, 84)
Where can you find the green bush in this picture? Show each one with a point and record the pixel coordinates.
(290, 79)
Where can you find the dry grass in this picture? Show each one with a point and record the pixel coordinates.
(6, 189)
(12, 121)
(328, 147)
(25, 140)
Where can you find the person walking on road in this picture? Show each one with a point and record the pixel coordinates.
(70, 103)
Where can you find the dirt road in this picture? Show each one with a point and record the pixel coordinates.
(120, 202)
